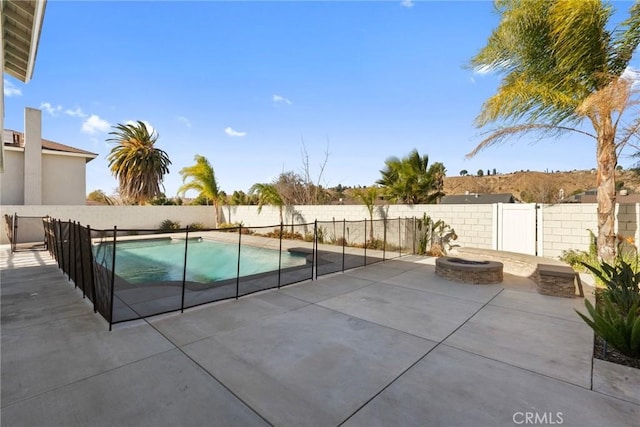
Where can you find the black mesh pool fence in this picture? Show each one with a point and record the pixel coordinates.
(131, 274)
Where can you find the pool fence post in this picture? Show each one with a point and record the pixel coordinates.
(384, 239)
(113, 276)
(14, 231)
(365, 241)
(69, 248)
(280, 255)
(314, 256)
(344, 240)
(239, 253)
(79, 243)
(91, 271)
(399, 237)
(71, 254)
(60, 241)
(413, 251)
(184, 268)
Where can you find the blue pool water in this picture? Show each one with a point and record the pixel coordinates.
(207, 261)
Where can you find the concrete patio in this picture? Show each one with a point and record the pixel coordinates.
(391, 344)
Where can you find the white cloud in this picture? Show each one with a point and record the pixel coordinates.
(185, 121)
(75, 113)
(94, 124)
(281, 99)
(10, 89)
(231, 132)
(150, 128)
(407, 3)
(632, 75)
(46, 106)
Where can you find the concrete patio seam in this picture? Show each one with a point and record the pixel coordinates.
(417, 361)
(539, 373)
(324, 299)
(79, 380)
(577, 320)
(211, 375)
(19, 328)
(615, 397)
(432, 292)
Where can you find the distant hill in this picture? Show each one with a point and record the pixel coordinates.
(536, 186)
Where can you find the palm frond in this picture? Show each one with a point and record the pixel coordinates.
(501, 134)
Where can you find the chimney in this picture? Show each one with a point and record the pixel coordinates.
(32, 156)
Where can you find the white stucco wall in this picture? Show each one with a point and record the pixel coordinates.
(12, 179)
(63, 180)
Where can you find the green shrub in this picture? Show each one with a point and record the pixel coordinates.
(589, 261)
(340, 241)
(377, 244)
(168, 225)
(233, 227)
(577, 259)
(617, 316)
(621, 282)
(321, 233)
(291, 235)
(196, 226)
(621, 330)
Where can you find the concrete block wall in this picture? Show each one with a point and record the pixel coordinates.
(473, 223)
(565, 227)
(560, 227)
(628, 221)
(106, 217)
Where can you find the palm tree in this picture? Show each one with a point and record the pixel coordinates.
(100, 197)
(368, 196)
(137, 164)
(268, 195)
(562, 65)
(410, 179)
(201, 178)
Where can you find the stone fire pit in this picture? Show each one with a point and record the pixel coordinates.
(468, 271)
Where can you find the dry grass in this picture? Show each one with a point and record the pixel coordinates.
(518, 183)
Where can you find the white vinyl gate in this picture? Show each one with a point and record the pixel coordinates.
(516, 228)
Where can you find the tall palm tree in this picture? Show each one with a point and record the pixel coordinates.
(411, 180)
(562, 65)
(137, 164)
(201, 177)
(268, 195)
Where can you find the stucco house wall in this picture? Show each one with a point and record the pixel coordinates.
(12, 179)
(64, 180)
(41, 172)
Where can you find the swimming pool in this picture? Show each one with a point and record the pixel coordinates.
(160, 260)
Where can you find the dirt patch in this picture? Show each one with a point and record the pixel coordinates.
(610, 354)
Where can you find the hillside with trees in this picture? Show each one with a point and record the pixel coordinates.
(539, 187)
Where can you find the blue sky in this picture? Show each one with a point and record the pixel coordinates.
(244, 83)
